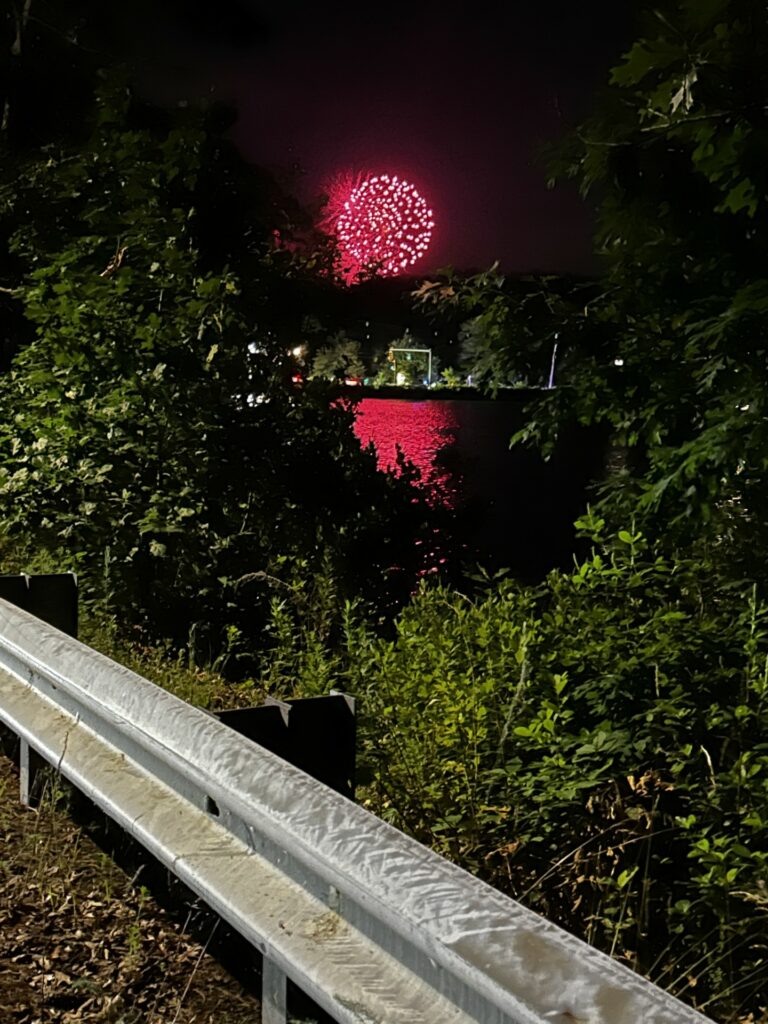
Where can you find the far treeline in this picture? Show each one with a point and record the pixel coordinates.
(596, 744)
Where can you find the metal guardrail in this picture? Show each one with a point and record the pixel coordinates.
(370, 924)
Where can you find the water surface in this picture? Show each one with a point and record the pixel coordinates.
(511, 508)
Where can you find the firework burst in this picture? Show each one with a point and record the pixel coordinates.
(383, 226)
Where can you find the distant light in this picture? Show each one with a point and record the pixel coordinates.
(297, 351)
(618, 362)
(744, 408)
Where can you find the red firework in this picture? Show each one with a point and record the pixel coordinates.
(384, 227)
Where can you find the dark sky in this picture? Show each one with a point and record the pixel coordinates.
(456, 97)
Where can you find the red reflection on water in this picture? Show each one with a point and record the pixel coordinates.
(420, 429)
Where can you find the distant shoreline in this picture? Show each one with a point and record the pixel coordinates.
(438, 394)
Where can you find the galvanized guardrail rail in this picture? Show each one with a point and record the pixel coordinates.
(370, 924)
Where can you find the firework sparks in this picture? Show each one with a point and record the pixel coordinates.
(384, 226)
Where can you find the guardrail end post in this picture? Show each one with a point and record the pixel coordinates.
(273, 994)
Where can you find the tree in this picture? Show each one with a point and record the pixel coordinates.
(668, 353)
(339, 359)
(510, 328)
(451, 379)
(678, 156)
(146, 440)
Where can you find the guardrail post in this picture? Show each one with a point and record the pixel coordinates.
(29, 764)
(51, 597)
(273, 994)
(316, 734)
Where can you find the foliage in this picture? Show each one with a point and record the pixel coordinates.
(510, 328)
(147, 440)
(450, 378)
(667, 350)
(597, 747)
(410, 362)
(678, 156)
(382, 378)
(338, 359)
(179, 671)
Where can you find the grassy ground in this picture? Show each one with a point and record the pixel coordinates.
(196, 684)
(79, 942)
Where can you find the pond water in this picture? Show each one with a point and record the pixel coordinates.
(511, 508)
(424, 431)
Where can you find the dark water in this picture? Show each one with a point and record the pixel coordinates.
(425, 431)
(512, 509)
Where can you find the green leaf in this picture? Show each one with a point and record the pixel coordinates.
(740, 197)
(625, 877)
(643, 58)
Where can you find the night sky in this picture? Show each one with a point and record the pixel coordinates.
(456, 97)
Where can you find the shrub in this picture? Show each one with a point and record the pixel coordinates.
(597, 747)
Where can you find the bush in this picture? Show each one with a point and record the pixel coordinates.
(596, 747)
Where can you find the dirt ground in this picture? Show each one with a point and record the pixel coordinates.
(79, 942)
